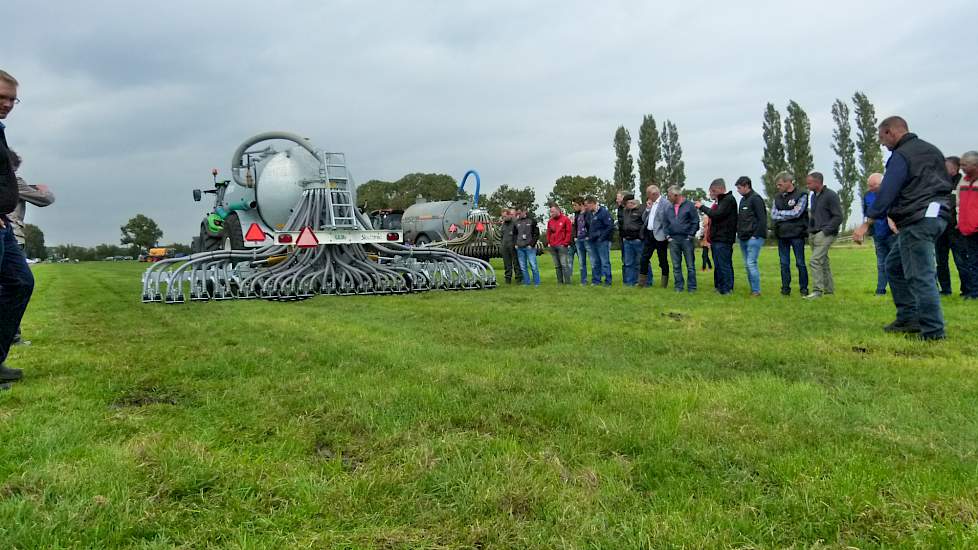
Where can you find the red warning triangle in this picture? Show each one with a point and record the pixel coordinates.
(453, 228)
(255, 234)
(307, 239)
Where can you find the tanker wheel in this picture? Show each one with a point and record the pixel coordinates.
(422, 239)
(209, 242)
(233, 231)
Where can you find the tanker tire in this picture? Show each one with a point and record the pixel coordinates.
(421, 240)
(232, 230)
(207, 241)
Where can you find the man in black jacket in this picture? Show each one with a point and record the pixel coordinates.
(790, 218)
(914, 195)
(723, 233)
(525, 236)
(823, 225)
(511, 265)
(751, 230)
(16, 281)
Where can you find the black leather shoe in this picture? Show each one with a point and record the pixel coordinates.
(902, 328)
(8, 374)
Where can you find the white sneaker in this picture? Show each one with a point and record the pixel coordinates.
(813, 295)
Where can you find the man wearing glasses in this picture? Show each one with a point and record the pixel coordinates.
(16, 281)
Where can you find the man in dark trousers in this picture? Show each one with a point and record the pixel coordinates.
(682, 222)
(723, 233)
(949, 241)
(751, 230)
(581, 217)
(823, 225)
(789, 216)
(511, 265)
(16, 281)
(631, 236)
(914, 196)
(654, 238)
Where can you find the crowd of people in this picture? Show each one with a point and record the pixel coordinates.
(921, 210)
(16, 280)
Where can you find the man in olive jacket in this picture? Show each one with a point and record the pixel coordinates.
(823, 225)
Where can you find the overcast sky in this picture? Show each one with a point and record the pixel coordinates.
(128, 105)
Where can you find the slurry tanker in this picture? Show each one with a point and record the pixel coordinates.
(286, 227)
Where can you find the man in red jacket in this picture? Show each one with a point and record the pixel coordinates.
(967, 193)
(559, 239)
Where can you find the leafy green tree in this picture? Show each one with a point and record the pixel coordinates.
(102, 251)
(624, 165)
(649, 151)
(141, 231)
(844, 167)
(34, 242)
(698, 194)
(568, 187)
(773, 159)
(511, 197)
(867, 140)
(798, 141)
(400, 194)
(673, 169)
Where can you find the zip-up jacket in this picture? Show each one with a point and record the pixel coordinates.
(631, 225)
(526, 232)
(600, 226)
(915, 177)
(559, 231)
(9, 196)
(723, 219)
(790, 214)
(509, 232)
(826, 214)
(683, 223)
(751, 217)
(968, 206)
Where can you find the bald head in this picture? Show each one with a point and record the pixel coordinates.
(892, 130)
(873, 181)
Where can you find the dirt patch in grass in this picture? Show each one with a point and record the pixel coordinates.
(147, 395)
(350, 460)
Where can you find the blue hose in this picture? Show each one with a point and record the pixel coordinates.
(478, 183)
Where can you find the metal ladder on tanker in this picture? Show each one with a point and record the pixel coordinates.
(339, 199)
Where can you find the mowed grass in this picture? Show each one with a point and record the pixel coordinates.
(552, 417)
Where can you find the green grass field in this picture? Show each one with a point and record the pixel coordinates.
(556, 417)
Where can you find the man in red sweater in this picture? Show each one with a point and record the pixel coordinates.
(967, 193)
(559, 239)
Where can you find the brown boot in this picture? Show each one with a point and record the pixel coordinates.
(665, 280)
(643, 280)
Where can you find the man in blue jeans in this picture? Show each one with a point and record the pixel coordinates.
(882, 235)
(723, 233)
(914, 195)
(526, 234)
(600, 228)
(16, 281)
(581, 223)
(751, 230)
(681, 222)
(631, 239)
(789, 216)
